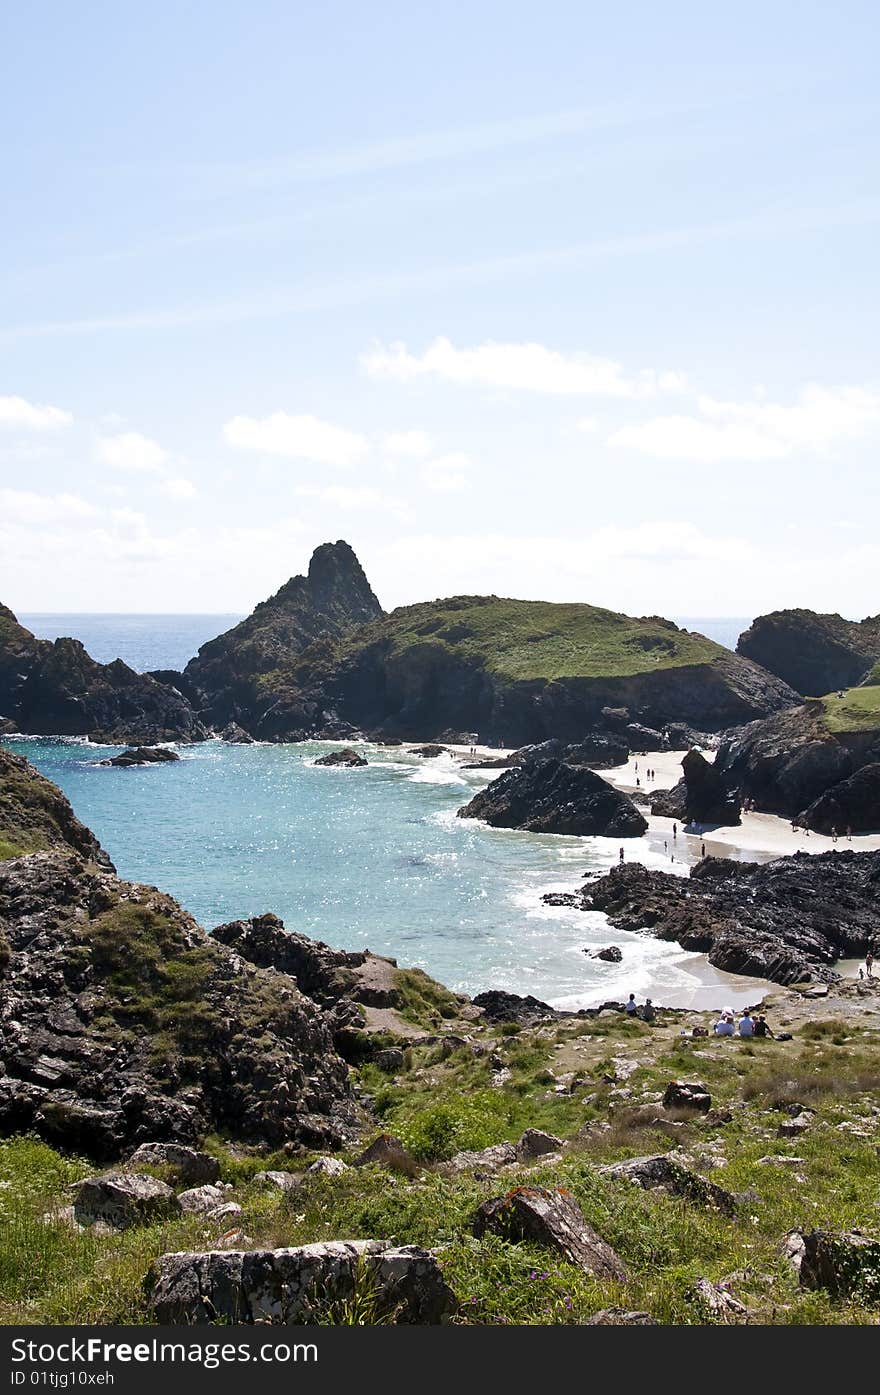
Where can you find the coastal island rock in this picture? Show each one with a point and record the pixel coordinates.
(550, 796)
(702, 795)
(142, 755)
(344, 757)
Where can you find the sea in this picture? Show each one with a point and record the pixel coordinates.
(371, 857)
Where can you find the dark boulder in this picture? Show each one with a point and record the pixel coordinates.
(499, 1006)
(611, 954)
(552, 797)
(346, 757)
(844, 1263)
(430, 752)
(142, 755)
(682, 1095)
(702, 796)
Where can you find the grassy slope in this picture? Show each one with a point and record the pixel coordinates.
(540, 639)
(34, 814)
(445, 1101)
(858, 709)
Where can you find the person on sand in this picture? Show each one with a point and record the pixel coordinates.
(675, 830)
(747, 1024)
(702, 850)
(631, 1004)
(869, 964)
(762, 1028)
(622, 854)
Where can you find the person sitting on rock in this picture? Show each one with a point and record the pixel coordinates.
(631, 1004)
(762, 1028)
(747, 1024)
(649, 1012)
(724, 1025)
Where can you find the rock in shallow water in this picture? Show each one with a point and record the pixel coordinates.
(550, 796)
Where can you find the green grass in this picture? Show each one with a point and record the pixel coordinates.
(858, 709)
(540, 639)
(424, 1002)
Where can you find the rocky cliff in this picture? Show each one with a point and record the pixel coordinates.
(57, 689)
(122, 1021)
(268, 673)
(813, 653)
(519, 672)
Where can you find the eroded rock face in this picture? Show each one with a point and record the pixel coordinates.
(786, 920)
(702, 796)
(122, 1022)
(298, 1285)
(553, 797)
(551, 1218)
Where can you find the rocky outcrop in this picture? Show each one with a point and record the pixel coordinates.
(122, 1022)
(499, 1006)
(36, 817)
(552, 797)
(813, 653)
(520, 672)
(303, 1285)
(142, 755)
(54, 688)
(702, 796)
(268, 674)
(344, 757)
(790, 762)
(852, 805)
(788, 920)
(186, 1164)
(551, 1218)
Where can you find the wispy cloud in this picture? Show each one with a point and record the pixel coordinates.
(520, 367)
(302, 437)
(19, 414)
(131, 451)
(757, 430)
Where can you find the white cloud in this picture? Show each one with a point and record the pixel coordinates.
(448, 473)
(23, 506)
(133, 452)
(518, 367)
(25, 416)
(757, 431)
(299, 437)
(179, 488)
(355, 499)
(414, 445)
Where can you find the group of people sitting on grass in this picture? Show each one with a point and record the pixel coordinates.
(749, 1026)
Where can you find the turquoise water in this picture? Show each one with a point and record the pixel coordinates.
(373, 858)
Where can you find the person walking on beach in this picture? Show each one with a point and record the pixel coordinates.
(702, 850)
(621, 854)
(869, 964)
(675, 830)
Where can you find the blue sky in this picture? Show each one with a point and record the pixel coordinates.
(570, 300)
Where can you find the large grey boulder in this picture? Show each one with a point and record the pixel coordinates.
(404, 1283)
(201, 1201)
(124, 1199)
(551, 1218)
(186, 1164)
(274, 1180)
(661, 1173)
(844, 1262)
